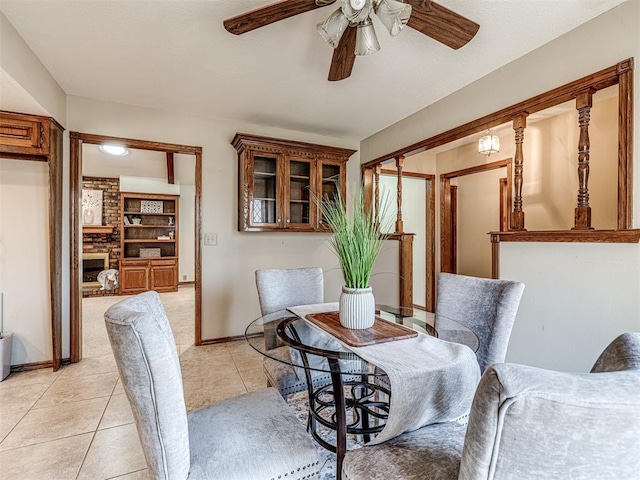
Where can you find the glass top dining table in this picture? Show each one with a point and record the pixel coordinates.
(354, 395)
(283, 327)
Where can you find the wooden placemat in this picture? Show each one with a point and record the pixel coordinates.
(382, 330)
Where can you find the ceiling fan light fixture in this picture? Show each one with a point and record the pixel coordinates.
(366, 39)
(393, 14)
(333, 27)
(357, 15)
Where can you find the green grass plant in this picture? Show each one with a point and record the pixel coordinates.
(357, 239)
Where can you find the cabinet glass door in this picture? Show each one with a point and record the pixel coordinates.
(299, 213)
(330, 184)
(264, 208)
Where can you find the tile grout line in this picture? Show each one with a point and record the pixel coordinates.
(95, 432)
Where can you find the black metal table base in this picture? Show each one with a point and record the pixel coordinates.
(367, 403)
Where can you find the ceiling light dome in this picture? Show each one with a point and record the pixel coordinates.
(115, 150)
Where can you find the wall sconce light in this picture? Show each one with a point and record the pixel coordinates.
(489, 144)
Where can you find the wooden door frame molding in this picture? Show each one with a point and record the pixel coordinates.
(51, 141)
(75, 204)
(448, 238)
(430, 267)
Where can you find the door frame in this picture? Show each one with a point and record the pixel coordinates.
(430, 230)
(75, 202)
(448, 203)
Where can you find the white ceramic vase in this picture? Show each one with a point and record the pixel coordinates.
(357, 308)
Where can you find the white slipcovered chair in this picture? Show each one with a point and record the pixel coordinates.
(279, 289)
(486, 306)
(527, 423)
(253, 436)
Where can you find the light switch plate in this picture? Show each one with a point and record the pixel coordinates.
(210, 239)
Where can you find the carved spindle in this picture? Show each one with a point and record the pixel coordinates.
(399, 165)
(376, 183)
(583, 210)
(517, 216)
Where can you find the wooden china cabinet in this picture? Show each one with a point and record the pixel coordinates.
(278, 179)
(149, 243)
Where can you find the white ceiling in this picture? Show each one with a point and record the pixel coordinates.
(175, 55)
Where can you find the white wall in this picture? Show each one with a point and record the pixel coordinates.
(229, 296)
(24, 258)
(610, 272)
(578, 297)
(19, 61)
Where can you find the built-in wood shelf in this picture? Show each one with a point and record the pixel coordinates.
(579, 236)
(102, 229)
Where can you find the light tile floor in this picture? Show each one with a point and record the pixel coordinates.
(77, 424)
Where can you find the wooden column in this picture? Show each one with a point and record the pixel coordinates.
(406, 272)
(495, 256)
(582, 219)
(399, 165)
(625, 144)
(517, 216)
(376, 183)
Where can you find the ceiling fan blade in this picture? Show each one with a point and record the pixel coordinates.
(343, 56)
(441, 24)
(275, 12)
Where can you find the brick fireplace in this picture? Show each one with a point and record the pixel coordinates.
(92, 265)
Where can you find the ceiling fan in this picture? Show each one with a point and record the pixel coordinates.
(349, 29)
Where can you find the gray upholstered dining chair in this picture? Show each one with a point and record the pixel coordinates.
(487, 307)
(279, 289)
(251, 436)
(527, 423)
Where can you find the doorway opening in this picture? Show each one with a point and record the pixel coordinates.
(151, 247)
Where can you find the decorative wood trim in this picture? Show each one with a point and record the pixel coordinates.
(170, 169)
(399, 222)
(368, 184)
(244, 140)
(55, 142)
(388, 171)
(505, 208)
(430, 267)
(598, 80)
(26, 367)
(448, 209)
(75, 206)
(517, 216)
(36, 138)
(445, 225)
(406, 271)
(495, 257)
(579, 236)
(453, 268)
(185, 283)
(477, 169)
(582, 216)
(75, 191)
(133, 143)
(198, 249)
(625, 144)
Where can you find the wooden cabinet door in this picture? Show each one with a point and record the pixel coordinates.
(299, 190)
(164, 276)
(134, 277)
